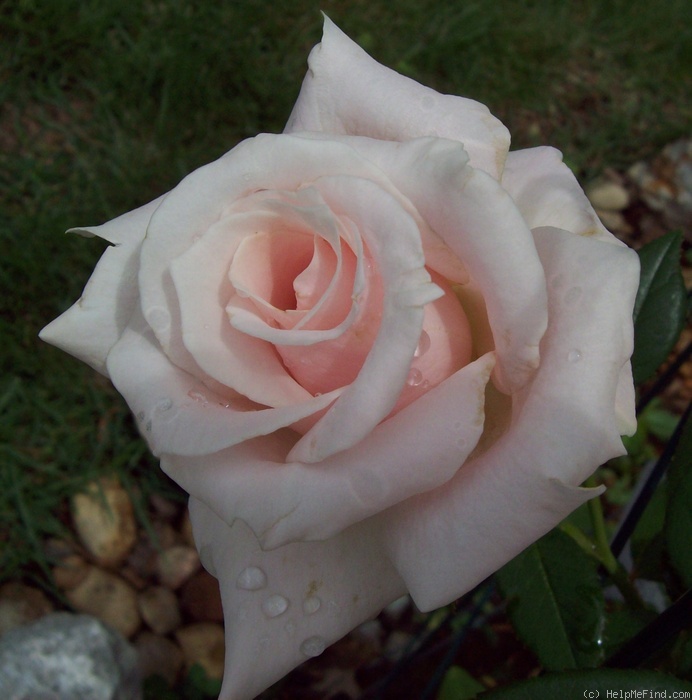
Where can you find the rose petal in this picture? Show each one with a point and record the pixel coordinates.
(176, 413)
(267, 162)
(480, 223)
(244, 316)
(548, 194)
(90, 328)
(200, 276)
(347, 92)
(405, 455)
(285, 606)
(447, 540)
(393, 240)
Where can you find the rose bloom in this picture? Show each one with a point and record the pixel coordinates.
(378, 350)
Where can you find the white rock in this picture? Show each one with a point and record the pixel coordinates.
(67, 656)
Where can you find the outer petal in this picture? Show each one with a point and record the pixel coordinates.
(481, 224)
(90, 328)
(347, 92)
(403, 456)
(564, 426)
(285, 606)
(178, 414)
(548, 194)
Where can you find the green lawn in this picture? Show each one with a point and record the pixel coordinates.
(104, 105)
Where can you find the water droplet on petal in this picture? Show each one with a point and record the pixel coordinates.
(313, 646)
(311, 605)
(423, 344)
(274, 606)
(461, 443)
(251, 579)
(415, 377)
(290, 628)
(198, 396)
(573, 356)
(163, 405)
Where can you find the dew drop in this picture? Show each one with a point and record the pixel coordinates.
(311, 605)
(313, 646)
(415, 377)
(290, 628)
(159, 319)
(573, 356)
(317, 394)
(461, 443)
(423, 345)
(251, 579)
(163, 405)
(198, 396)
(274, 606)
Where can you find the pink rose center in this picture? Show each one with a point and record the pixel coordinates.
(295, 281)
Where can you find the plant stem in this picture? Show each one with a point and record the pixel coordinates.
(602, 550)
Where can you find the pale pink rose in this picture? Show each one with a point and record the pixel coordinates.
(379, 351)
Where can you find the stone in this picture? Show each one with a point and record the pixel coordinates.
(200, 598)
(614, 221)
(177, 564)
(203, 643)
(21, 604)
(104, 520)
(70, 572)
(158, 656)
(109, 598)
(68, 657)
(608, 195)
(159, 609)
(665, 184)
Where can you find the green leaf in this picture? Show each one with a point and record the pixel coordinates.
(622, 625)
(678, 519)
(659, 310)
(599, 683)
(459, 684)
(556, 602)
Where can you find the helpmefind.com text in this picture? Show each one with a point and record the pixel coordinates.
(638, 694)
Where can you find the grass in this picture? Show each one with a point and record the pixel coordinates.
(105, 105)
